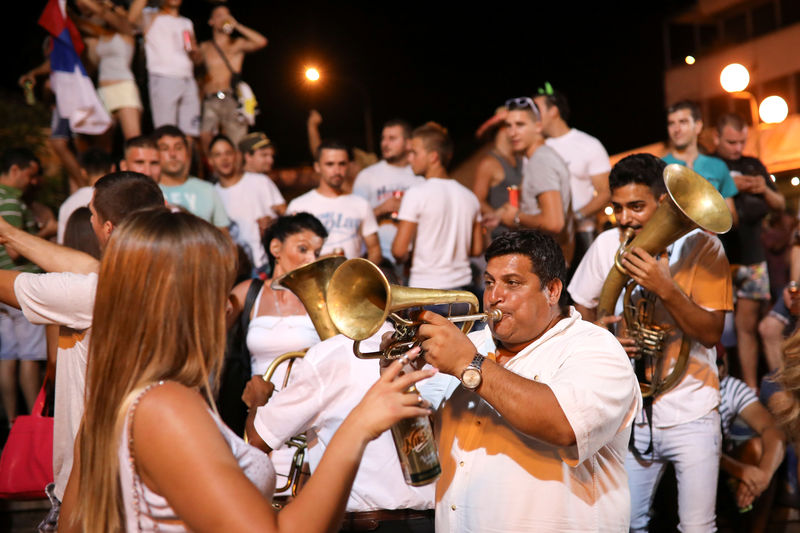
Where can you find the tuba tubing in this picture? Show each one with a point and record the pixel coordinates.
(691, 202)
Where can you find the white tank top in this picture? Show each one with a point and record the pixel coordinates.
(269, 336)
(153, 512)
(115, 56)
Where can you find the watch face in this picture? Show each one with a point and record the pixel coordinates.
(471, 378)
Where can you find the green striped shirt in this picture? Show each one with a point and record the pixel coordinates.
(16, 213)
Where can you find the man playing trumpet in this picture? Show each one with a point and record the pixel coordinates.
(538, 413)
(688, 291)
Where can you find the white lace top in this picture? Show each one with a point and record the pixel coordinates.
(147, 511)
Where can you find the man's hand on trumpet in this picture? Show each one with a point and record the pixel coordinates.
(444, 345)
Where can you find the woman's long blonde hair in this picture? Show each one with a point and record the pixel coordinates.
(788, 413)
(159, 314)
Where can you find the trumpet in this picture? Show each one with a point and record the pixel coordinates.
(360, 299)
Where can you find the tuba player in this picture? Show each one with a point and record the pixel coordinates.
(688, 290)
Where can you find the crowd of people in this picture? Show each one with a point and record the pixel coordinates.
(149, 277)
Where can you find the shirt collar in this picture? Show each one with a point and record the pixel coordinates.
(489, 347)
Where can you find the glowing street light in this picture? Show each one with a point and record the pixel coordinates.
(690, 60)
(734, 78)
(773, 109)
(312, 74)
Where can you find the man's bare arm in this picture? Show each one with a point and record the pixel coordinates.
(406, 232)
(551, 217)
(601, 197)
(7, 294)
(252, 40)
(49, 256)
(373, 248)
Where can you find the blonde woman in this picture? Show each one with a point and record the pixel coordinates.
(159, 458)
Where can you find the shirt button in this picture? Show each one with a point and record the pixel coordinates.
(461, 463)
(453, 507)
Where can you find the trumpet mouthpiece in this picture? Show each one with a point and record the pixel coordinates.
(494, 315)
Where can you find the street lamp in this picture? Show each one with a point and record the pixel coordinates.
(312, 74)
(735, 78)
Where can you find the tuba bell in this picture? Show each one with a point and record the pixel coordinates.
(361, 299)
(692, 202)
(309, 283)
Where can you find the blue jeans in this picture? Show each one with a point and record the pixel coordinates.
(693, 449)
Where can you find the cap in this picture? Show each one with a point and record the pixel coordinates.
(254, 141)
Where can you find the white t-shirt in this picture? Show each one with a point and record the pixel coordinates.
(251, 198)
(585, 157)
(496, 478)
(444, 211)
(325, 386)
(698, 265)
(376, 184)
(346, 217)
(79, 198)
(164, 45)
(67, 300)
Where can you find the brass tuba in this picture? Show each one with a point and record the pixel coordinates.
(693, 202)
(361, 299)
(309, 283)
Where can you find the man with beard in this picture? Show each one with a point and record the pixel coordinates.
(684, 124)
(249, 198)
(384, 183)
(348, 218)
(687, 290)
(195, 195)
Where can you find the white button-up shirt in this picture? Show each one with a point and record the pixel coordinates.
(497, 479)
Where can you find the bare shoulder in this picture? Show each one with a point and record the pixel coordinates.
(239, 292)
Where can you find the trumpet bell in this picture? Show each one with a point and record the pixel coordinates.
(310, 284)
(360, 298)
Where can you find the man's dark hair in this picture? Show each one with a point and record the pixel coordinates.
(436, 139)
(331, 144)
(220, 137)
(96, 161)
(644, 169)
(20, 156)
(140, 141)
(547, 260)
(734, 120)
(288, 225)
(168, 130)
(402, 123)
(558, 100)
(691, 105)
(119, 194)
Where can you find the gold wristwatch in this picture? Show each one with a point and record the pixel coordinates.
(471, 377)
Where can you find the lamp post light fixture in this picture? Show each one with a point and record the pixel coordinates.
(734, 78)
(773, 110)
(313, 75)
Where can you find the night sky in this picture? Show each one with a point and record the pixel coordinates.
(430, 61)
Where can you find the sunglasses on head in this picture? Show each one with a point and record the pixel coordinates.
(523, 102)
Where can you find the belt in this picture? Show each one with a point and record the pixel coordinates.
(370, 520)
(219, 95)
